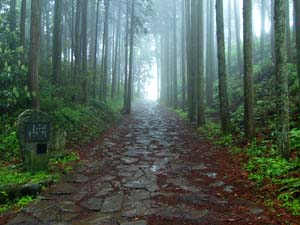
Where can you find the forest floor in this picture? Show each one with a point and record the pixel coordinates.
(155, 169)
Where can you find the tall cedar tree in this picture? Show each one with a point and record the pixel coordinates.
(223, 96)
(248, 72)
(95, 51)
(34, 49)
(238, 35)
(84, 51)
(57, 41)
(281, 79)
(297, 25)
(23, 24)
(200, 68)
(130, 73)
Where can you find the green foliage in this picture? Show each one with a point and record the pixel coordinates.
(182, 114)
(9, 146)
(24, 201)
(16, 176)
(295, 138)
(261, 168)
(61, 164)
(211, 130)
(13, 89)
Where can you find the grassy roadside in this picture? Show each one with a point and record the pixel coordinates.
(279, 178)
(82, 125)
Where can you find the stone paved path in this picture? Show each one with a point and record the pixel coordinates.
(153, 169)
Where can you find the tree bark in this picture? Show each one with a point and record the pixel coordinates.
(238, 37)
(57, 42)
(175, 101)
(23, 24)
(33, 67)
(262, 31)
(223, 96)
(130, 74)
(95, 50)
(248, 70)
(281, 79)
(297, 29)
(84, 51)
(12, 15)
(200, 69)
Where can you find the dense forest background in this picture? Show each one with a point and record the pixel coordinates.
(232, 67)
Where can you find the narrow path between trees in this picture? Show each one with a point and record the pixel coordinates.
(152, 169)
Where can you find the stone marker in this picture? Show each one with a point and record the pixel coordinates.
(34, 131)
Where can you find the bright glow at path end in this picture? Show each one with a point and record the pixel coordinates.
(151, 86)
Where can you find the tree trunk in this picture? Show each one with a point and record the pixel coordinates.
(272, 31)
(297, 29)
(281, 79)
(116, 56)
(57, 42)
(183, 58)
(248, 70)
(77, 42)
(12, 15)
(262, 31)
(33, 66)
(95, 51)
(106, 51)
(288, 32)
(238, 37)
(229, 37)
(130, 74)
(200, 69)
(175, 103)
(223, 96)
(84, 51)
(126, 57)
(23, 24)
(210, 53)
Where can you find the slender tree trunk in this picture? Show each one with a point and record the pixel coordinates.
(12, 15)
(297, 29)
(210, 53)
(288, 32)
(248, 68)
(195, 57)
(229, 37)
(281, 79)
(33, 67)
(84, 51)
(183, 58)
(262, 31)
(116, 56)
(189, 56)
(200, 72)
(106, 52)
(175, 102)
(126, 57)
(48, 32)
(130, 74)
(77, 42)
(272, 30)
(95, 50)
(223, 96)
(57, 42)
(23, 24)
(238, 37)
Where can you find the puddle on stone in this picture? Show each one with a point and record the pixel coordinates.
(212, 175)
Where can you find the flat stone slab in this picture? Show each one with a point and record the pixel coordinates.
(93, 204)
(139, 222)
(97, 219)
(63, 189)
(112, 204)
(77, 178)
